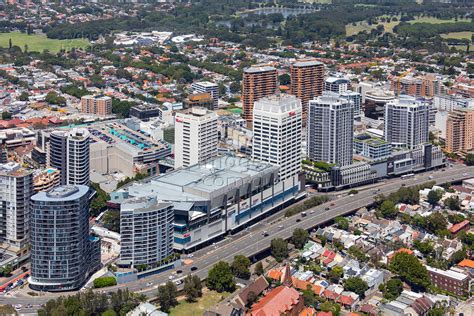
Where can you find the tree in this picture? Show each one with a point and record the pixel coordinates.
(259, 268)
(309, 298)
(240, 267)
(329, 306)
(356, 285)
(284, 79)
(220, 278)
(425, 247)
(453, 203)
(409, 268)
(434, 196)
(167, 296)
(192, 288)
(99, 202)
(251, 299)
(392, 289)
(6, 115)
(469, 160)
(388, 209)
(457, 257)
(342, 222)
(23, 96)
(279, 249)
(300, 237)
(436, 223)
(335, 274)
(109, 312)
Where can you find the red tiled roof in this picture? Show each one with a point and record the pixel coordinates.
(278, 301)
(345, 300)
(308, 311)
(275, 274)
(330, 295)
(457, 227)
(466, 263)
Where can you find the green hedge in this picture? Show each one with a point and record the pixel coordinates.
(105, 281)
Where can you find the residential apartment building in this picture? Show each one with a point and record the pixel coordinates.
(448, 102)
(200, 99)
(46, 179)
(449, 280)
(195, 137)
(63, 254)
(337, 85)
(68, 151)
(146, 229)
(406, 122)
(371, 147)
(16, 188)
(96, 104)
(428, 85)
(330, 130)
(258, 81)
(460, 130)
(307, 82)
(277, 122)
(208, 87)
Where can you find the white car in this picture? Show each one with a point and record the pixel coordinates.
(178, 282)
(171, 277)
(18, 307)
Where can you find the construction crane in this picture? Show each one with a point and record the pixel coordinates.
(399, 78)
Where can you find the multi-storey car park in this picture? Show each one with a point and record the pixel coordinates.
(116, 147)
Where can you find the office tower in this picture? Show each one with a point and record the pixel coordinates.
(337, 85)
(69, 153)
(146, 230)
(96, 104)
(330, 130)
(63, 254)
(406, 122)
(258, 81)
(277, 121)
(460, 130)
(195, 137)
(307, 82)
(16, 188)
(208, 87)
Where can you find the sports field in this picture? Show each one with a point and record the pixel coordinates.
(458, 35)
(37, 42)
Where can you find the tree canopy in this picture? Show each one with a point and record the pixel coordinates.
(220, 278)
(409, 268)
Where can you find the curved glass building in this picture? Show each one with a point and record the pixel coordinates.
(63, 254)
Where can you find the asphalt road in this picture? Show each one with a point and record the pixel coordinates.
(251, 241)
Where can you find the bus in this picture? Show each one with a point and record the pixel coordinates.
(406, 176)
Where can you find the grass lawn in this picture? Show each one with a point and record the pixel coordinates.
(208, 299)
(37, 42)
(363, 26)
(432, 20)
(458, 35)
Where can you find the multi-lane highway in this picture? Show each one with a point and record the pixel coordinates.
(252, 241)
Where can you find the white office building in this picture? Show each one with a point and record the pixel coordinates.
(330, 129)
(146, 229)
(195, 137)
(277, 122)
(407, 122)
(207, 87)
